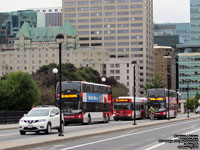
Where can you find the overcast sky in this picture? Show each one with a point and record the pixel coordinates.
(165, 11)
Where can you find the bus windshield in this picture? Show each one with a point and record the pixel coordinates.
(72, 107)
(158, 105)
(156, 93)
(70, 87)
(122, 106)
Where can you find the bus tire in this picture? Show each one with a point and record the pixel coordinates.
(175, 114)
(66, 123)
(89, 121)
(104, 118)
(108, 118)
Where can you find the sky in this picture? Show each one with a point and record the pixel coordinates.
(165, 11)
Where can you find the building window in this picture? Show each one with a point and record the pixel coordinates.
(83, 14)
(123, 7)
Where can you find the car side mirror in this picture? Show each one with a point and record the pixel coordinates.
(52, 114)
(24, 115)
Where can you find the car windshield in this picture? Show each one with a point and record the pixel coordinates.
(198, 108)
(38, 113)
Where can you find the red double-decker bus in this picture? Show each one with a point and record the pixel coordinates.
(158, 99)
(85, 102)
(123, 108)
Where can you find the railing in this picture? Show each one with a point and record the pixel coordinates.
(8, 117)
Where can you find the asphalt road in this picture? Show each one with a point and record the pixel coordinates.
(140, 138)
(146, 138)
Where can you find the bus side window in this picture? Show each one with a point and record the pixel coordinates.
(91, 88)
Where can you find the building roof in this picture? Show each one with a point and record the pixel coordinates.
(46, 33)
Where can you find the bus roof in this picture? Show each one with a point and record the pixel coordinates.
(86, 83)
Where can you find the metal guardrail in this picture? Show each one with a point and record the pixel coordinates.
(8, 117)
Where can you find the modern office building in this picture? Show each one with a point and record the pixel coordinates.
(166, 29)
(189, 74)
(124, 27)
(53, 15)
(168, 40)
(11, 22)
(165, 65)
(195, 21)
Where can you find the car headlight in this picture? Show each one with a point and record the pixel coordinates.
(42, 120)
(21, 121)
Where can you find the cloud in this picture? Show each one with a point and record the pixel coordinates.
(174, 11)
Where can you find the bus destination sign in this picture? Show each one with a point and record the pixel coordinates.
(121, 100)
(69, 96)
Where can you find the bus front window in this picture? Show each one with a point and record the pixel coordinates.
(156, 93)
(158, 106)
(69, 87)
(72, 107)
(121, 106)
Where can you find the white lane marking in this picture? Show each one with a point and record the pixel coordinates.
(160, 144)
(117, 137)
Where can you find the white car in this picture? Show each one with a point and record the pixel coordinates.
(41, 118)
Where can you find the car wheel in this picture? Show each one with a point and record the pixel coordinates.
(48, 129)
(22, 132)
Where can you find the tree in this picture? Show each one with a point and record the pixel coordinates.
(44, 78)
(21, 91)
(3, 95)
(119, 90)
(157, 82)
(193, 102)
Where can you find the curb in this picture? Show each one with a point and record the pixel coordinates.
(56, 139)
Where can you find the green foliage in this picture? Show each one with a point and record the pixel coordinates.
(45, 80)
(19, 92)
(193, 102)
(119, 90)
(156, 83)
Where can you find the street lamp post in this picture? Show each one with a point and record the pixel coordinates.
(178, 98)
(168, 95)
(60, 40)
(55, 71)
(103, 80)
(188, 101)
(134, 63)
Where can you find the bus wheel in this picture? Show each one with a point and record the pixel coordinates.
(104, 118)
(66, 123)
(89, 120)
(108, 118)
(175, 114)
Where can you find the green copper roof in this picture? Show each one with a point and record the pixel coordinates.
(24, 30)
(46, 33)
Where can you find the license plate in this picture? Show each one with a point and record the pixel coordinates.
(30, 126)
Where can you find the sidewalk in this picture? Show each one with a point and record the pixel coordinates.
(8, 126)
